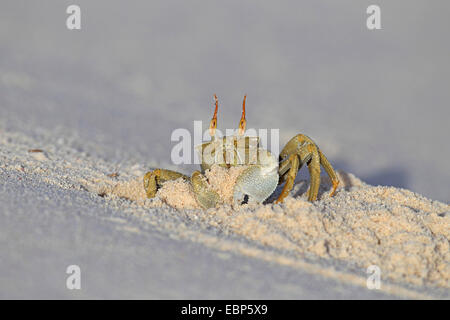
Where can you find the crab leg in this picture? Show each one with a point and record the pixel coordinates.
(289, 177)
(307, 152)
(154, 180)
(293, 156)
(330, 171)
(314, 171)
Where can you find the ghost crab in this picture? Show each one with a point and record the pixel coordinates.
(263, 172)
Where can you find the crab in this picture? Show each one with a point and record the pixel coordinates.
(263, 172)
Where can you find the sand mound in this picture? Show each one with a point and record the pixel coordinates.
(403, 233)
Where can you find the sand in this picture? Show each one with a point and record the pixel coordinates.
(403, 233)
(102, 103)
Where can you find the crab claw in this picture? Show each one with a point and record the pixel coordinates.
(255, 184)
(258, 181)
(206, 198)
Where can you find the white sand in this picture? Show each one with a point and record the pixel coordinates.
(102, 102)
(403, 233)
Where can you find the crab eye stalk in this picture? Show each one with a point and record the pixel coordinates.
(243, 122)
(213, 123)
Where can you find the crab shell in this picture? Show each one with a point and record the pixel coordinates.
(258, 181)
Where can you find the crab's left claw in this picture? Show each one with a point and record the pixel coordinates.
(205, 197)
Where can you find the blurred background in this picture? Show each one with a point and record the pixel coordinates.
(375, 101)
